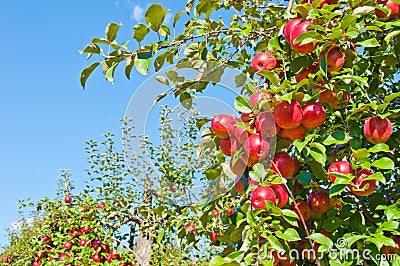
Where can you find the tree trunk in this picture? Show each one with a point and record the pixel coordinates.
(144, 241)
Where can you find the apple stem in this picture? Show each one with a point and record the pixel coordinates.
(299, 213)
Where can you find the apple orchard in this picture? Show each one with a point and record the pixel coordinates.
(313, 144)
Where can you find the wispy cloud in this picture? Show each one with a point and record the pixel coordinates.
(137, 13)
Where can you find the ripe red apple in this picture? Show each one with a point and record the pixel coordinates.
(289, 27)
(293, 133)
(340, 167)
(297, 30)
(172, 188)
(296, 166)
(260, 195)
(288, 115)
(241, 135)
(377, 130)
(96, 258)
(228, 146)
(230, 211)
(102, 206)
(281, 194)
(85, 229)
(283, 164)
(96, 243)
(213, 236)
(67, 245)
(82, 242)
(46, 239)
(305, 210)
(41, 255)
(259, 96)
(263, 61)
(265, 124)
(256, 147)
(36, 263)
(392, 5)
(319, 201)
(223, 125)
(215, 213)
(362, 188)
(305, 73)
(331, 59)
(330, 97)
(314, 115)
(68, 199)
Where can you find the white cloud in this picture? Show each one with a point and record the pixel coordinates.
(137, 13)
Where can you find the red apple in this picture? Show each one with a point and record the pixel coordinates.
(319, 201)
(289, 28)
(241, 134)
(41, 255)
(340, 167)
(256, 147)
(96, 258)
(82, 242)
(307, 252)
(213, 236)
(331, 59)
(305, 210)
(314, 115)
(260, 195)
(85, 229)
(46, 239)
(228, 146)
(281, 194)
(293, 133)
(283, 164)
(68, 199)
(102, 206)
(392, 5)
(265, 124)
(263, 61)
(305, 73)
(36, 263)
(362, 188)
(259, 96)
(377, 130)
(67, 245)
(288, 115)
(215, 213)
(297, 30)
(230, 211)
(172, 188)
(223, 125)
(241, 184)
(330, 97)
(296, 166)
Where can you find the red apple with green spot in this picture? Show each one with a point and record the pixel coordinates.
(340, 167)
(297, 30)
(361, 187)
(260, 195)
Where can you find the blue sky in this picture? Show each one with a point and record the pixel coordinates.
(45, 115)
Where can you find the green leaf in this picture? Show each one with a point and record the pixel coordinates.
(242, 104)
(250, 219)
(369, 43)
(186, 100)
(111, 31)
(155, 15)
(384, 163)
(109, 74)
(176, 17)
(338, 137)
(304, 178)
(391, 97)
(240, 79)
(379, 148)
(274, 242)
(361, 154)
(290, 235)
(321, 239)
(331, 224)
(139, 32)
(142, 65)
(87, 71)
(336, 189)
(218, 261)
(347, 20)
(318, 170)
(391, 35)
(162, 80)
(129, 65)
(318, 152)
(271, 76)
(299, 63)
(352, 239)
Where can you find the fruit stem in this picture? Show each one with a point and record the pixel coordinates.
(298, 211)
